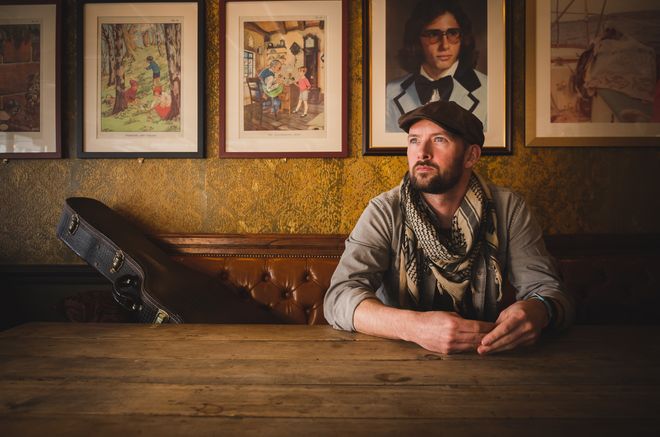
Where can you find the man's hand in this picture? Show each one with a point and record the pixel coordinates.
(518, 325)
(436, 331)
(447, 332)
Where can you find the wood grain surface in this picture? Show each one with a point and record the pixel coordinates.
(101, 379)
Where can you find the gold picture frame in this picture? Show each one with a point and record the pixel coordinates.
(557, 113)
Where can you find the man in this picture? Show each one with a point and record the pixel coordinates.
(272, 87)
(439, 53)
(426, 260)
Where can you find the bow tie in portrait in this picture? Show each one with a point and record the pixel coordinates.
(425, 87)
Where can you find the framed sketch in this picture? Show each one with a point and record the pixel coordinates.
(30, 79)
(428, 50)
(284, 92)
(140, 77)
(592, 73)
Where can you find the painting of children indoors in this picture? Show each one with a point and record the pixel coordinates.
(140, 67)
(283, 75)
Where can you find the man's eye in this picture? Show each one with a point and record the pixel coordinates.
(439, 139)
(412, 141)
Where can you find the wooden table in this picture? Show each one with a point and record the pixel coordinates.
(110, 379)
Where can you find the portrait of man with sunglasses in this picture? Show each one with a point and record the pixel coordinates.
(440, 56)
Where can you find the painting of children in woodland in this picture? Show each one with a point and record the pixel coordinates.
(140, 77)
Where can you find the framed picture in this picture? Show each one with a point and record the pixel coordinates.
(428, 50)
(592, 73)
(140, 77)
(285, 88)
(30, 79)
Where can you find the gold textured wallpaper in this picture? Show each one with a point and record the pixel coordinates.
(577, 190)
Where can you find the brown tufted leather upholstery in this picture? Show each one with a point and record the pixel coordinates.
(615, 279)
(292, 287)
(288, 273)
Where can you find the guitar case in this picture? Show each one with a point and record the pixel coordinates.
(146, 281)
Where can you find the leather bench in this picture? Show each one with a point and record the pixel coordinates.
(614, 278)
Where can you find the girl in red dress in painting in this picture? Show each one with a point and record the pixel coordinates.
(162, 102)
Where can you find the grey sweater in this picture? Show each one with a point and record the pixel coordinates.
(369, 266)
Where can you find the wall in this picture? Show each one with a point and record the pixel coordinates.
(592, 190)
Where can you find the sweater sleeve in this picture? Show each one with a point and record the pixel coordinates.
(532, 269)
(359, 274)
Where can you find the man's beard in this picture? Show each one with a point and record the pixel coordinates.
(441, 182)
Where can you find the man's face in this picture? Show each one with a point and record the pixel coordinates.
(276, 68)
(435, 158)
(439, 53)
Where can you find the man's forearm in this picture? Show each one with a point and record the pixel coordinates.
(374, 318)
(437, 331)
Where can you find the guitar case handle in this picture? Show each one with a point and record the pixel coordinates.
(126, 291)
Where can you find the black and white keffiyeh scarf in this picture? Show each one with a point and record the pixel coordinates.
(450, 257)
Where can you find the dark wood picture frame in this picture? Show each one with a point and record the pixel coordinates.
(377, 141)
(49, 86)
(191, 140)
(325, 133)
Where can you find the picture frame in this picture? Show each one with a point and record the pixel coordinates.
(286, 70)
(30, 59)
(389, 89)
(141, 79)
(573, 96)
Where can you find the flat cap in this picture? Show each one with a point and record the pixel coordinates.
(450, 116)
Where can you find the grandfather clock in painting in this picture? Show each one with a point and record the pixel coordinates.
(311, 43)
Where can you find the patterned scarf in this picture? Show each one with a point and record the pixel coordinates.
(450, 257)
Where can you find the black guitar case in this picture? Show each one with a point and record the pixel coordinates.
(146, 281)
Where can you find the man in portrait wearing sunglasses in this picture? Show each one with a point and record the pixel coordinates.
(439, 53)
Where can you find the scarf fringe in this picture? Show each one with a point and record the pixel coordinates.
(473, 234)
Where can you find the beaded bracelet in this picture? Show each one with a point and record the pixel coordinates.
(549, 306)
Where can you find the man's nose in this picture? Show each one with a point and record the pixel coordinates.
(443, 43)
(425, 151)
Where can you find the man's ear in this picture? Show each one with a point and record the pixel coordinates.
(472, 155)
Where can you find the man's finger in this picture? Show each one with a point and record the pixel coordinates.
(471, 337)
(507, 339)
(499, 331)
(508, 342)
(464, 347)
(483, 350)
(475, 326)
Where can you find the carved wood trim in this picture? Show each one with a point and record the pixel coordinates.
(257, 245)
